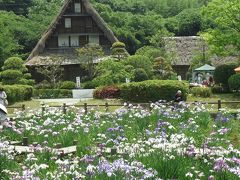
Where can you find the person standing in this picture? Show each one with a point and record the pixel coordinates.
(3, 97)
(3, 109)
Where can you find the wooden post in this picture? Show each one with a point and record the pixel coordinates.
(150, 108)
(219, 104)
(106, 107)
(85, 108)
(43, 109)
(23, 107)
(64, 108)
(25, 141)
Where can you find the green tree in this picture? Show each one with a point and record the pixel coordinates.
(52, 70)
(224, 39)
(15, 72)
(111, 72)
(88, 56)
(119, 51)
(138, 61)
(162, 69)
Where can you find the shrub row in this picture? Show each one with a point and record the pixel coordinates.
(52, 93)
(153, 90)
(201, 92)
(17, 93)
(145, 91)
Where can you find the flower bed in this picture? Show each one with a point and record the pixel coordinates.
(169, 142)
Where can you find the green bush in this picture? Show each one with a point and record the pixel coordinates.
(140, 75)
(88, 85)
(201, 92)
(223, 72)
(16, 93)
(67, 85)
(153, 90)
(14, 63)
(109, 92)
(11, 76)
(234, 82)
(52, 93)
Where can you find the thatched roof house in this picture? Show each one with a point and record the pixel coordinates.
(76, 25)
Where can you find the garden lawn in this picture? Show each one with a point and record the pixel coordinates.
(168, 142)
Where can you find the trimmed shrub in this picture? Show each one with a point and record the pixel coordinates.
(153, 90)
(234, 82)
(201, 92)
(140, 75)
(11, 76)
(88, 85)
(223, 72)
(52, 93)
(67, 85)
(16, 93)
(110, 92)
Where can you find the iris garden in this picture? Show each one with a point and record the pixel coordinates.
(167, 142)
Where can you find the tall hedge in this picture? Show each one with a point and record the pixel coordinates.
(223, 72)
(153, 90)
(16, 93)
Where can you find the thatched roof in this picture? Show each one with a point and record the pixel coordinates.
(184, 49)
(39, 48)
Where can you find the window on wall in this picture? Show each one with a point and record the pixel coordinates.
(74, 41)
(93, 39)
(68, 23)
(77, 7)
(63, 41)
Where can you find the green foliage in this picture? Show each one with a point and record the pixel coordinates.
(87, 55)
(153, 90)
(110, 72)
(186, 23)
(17, 6)
(67, 85)
(14, 63)
(151, 52)
(119, 51)
(138, 61)
(88, 85)
(17, 93)
(52, 93)
(223, 72)
(162, 68)
(18, 35)
(201, 92)
(15, 72)
(140, 75)
(224, 39)
(52, 70)
(109, 92)
(234, 82)
(11, 76)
